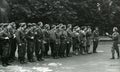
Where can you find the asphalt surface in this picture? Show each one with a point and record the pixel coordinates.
(97, 62)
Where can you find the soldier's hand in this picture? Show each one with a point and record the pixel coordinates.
(32, 37)
(14, 35)
(107, 33)
(6, 38)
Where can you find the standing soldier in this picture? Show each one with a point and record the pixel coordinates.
(30, 42)
(57, 42)
(115, 37)
(69, 40)
(21, 41)
(1, 28)
(13, 45)
(46, 39)
(39, 46)
(63, 41)
(5, 39)
(52, 40)
(95, 39)
(88, 38)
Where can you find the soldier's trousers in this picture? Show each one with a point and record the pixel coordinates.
(22, 52)
(52, 46)
(115, 48)
(39, 50)
(56, 50)
(68, 47)
(30, 49)
(95, 45)
(46, 48)
(62, 49)
(13, 47)
(5, 53)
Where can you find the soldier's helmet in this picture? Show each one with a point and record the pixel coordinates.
(22, 24)
(63, 27)
(115, 29)
(40, 24)
(69, 25)
(47, 26)
(5, 25)
(53, 26)
(29, 24)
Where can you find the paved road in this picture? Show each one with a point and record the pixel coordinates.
(99, 62)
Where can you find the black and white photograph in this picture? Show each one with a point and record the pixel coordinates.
(59, 35)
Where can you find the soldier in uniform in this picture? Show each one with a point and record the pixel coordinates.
(76, 40)
(88, 38)
(69, 40)
(63, 36)
(30, 42)
(52, 40)
(21, 41)
(13, 45)
(57, 42)
(115, 37)
(95, 39)
(1, 28)
(5, 39)
(39, 46)
(46, 39)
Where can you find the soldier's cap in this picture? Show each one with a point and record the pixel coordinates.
(5, 24)
(63, 27)
(53, 26)
(29, 24)
(115, 28)
(69, 25)
(22, 24)
(33, 24)
(75, 27)
(57, 26)
(39, 23)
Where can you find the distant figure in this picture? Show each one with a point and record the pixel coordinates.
(115, 38)
(4, 9)
(95, 39)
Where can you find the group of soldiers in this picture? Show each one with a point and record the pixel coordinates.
(36, 40)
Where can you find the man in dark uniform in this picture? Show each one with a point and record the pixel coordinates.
(39, 46)
(21, 41)
(5, 39)
(52, 40)
(95, 39)
(13, 45)
(63, 36)
(69, 40)
(46, 39)
(1, 28)
(30, 42)
(57, 42)
(115, 37)
(88, 38)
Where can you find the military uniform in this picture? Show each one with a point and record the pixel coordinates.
(52, 41)
(47, 41)
(21, 41)
(88, 38)
(95, 40)
(62, 49)
(13, 44)
(5, 40)
(39, 46)
(69, 42)
(115, 37)
(30, 43)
